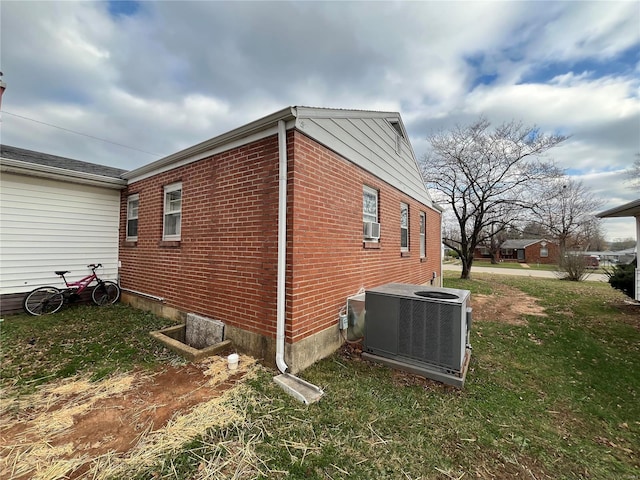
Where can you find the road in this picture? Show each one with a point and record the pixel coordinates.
(521, 272)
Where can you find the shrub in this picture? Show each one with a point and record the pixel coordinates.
(622, 277)
(574, 267)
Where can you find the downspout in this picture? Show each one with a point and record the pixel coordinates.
(282, 246)
(441, 252)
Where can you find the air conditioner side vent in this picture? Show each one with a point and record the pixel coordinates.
(371, 230)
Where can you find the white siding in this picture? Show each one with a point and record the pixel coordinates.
(48, 225)
(371, 144)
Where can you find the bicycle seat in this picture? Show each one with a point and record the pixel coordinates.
(61, 272)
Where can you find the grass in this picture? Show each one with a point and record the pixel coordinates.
(556, 398)
(519, 266)
(78, 339)
(516, 265)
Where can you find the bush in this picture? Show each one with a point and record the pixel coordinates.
(573, 267)
(622, 277)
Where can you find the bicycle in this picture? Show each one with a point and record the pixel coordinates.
(48, 300)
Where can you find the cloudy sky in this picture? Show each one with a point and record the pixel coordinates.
(162, 76)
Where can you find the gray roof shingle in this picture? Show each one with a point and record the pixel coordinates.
(522, 243)
(39, 158)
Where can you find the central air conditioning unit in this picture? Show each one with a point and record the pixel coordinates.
(371, 230)
(423, 330)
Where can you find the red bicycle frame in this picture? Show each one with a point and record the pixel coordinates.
(81, 285)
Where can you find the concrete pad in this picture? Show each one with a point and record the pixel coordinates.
(424, 370)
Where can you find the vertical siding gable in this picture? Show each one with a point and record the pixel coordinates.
(370, 144)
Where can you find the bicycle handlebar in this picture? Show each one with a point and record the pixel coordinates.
(93, 266)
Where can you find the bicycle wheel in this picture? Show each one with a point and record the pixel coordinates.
(43, 301)
(105, 293)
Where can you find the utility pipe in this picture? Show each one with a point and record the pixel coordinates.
(282, 245)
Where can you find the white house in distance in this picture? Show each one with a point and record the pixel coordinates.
(56, 213)
(631, 209)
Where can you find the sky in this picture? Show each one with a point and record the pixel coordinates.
(161, 76)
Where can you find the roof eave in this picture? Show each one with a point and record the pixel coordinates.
(631, 209)
(11, 165)
(247, 129)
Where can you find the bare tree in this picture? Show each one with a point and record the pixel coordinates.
(486, 175)
(633, 174)
(566, 209)
(593, 235)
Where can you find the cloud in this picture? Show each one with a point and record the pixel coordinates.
(161, 76)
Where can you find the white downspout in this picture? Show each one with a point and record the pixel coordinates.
(282, 245)
(441, 252)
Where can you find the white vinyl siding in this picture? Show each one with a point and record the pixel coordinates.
(372, 144)
(52, 225)
(172, 212)
(133, 202)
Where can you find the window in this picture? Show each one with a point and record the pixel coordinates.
(370, 212)
(132, 217)
(544, 252)
(404, 227)
(172, 211)
(423, 229)
(399, 135)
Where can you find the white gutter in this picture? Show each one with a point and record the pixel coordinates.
(203, 148)
(10, 165)
(282, 245)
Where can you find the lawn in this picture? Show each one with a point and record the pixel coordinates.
(553, 396)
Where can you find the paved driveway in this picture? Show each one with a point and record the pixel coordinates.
(522, 272)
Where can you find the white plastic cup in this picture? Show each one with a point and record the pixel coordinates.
(232, 361)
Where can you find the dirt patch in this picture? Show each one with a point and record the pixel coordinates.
(506, 304)
(630, 313)
(66, 428)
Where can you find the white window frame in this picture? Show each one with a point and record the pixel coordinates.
(544, 252)
(404, 225)
(170, 210)
(368, 216)
(132, 214)
(423, 235)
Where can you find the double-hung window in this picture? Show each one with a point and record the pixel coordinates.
(172, 211)
(423, 233)
(371, 227)
(404, 227)
(544, 251)
(132, 217)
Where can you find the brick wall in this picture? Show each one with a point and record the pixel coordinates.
(532, 253)
(225, 265)
(329, 261)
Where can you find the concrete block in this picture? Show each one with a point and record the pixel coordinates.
(202, 332)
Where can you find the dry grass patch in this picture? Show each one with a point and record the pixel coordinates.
(506, 305)
(119, 425)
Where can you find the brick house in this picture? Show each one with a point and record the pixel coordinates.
(530, 251)
(201, 229)
(523, 251)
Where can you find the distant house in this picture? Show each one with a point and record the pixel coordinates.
(57, 214)
(217, 230)
(523, 251)
(530, 251)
